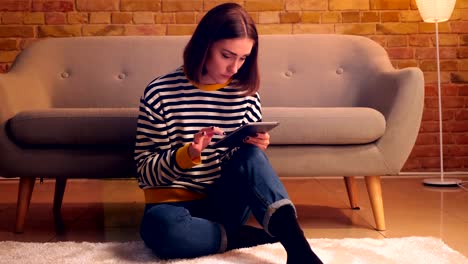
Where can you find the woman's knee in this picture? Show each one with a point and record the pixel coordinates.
(160, 228)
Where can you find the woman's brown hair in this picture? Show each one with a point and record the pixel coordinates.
(225, 21)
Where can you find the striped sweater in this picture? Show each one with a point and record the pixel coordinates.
(171, 111)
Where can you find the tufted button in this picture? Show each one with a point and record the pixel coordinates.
(288, 73)
(65, 75)
(121, 76)
(339, 71)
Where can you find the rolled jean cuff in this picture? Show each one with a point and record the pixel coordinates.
(223, 244)
(272, 209)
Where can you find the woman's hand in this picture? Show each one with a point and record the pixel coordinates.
(261, 140)
(202, 139)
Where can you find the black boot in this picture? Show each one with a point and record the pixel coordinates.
(284, 225)
(249, 236)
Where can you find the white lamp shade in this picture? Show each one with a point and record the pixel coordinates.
(435, 10)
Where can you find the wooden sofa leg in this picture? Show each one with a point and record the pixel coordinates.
(374, 190)
(26, 187)
(60, 184)
(350, 182)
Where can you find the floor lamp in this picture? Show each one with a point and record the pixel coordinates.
(435, 11)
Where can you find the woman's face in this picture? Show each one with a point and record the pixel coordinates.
(225, 58)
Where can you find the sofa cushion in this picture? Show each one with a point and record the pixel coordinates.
(75, 126)
(109, 126)
(325, 125)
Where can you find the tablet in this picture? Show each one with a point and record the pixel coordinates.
(237, 137)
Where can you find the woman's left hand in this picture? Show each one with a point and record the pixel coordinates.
(261, 140)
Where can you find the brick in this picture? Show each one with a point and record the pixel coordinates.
(59, 31)
(427, 139)
(275, 29)
(97, 5)
(407, 63)
(446, 40)
(429, 114)
(34, 18)
(181, 5)
(269, 17)
(431, 65)
(348, 5)
(463, 40)
(350, 17)
(290, 17)
(55, 18)
(431, 77)
(462, 114)
(143, 18)
(313, 28)
(185, 18)
(262, 5)
(459, 26)
(310, 17)
(397, 28)
(458, 126)
(430, 90)
(53, 6)
(389, 17)
(331, 17)
(430, 28)
(180, 29)
(145, 30)
(388, 5)
(164, 18)
(122, 18)
(16, 31)
(11, 18)
(426, 151)
(397, 41)
(103, 30)
(368, 17)
(431, 53)
(100, 18)
(400, 53)
(306, 5)
(8, 44)
(419, 40)
(15, 5)
(209, 4)
(461, 4)
(410, 16)
(429, 126)
(459, 77)
(78, 18)
(450, 89)
(463, 90)
(355, 29)
(140, 5)
(463, 65)
(412, 165)
(462, 52)
(8, 56)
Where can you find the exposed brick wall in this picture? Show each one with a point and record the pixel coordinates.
(395, 24)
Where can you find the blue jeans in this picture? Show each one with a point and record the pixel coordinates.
(248, 184)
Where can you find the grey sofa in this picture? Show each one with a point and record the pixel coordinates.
(68, 109)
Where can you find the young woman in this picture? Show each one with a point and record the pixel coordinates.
(198, 197)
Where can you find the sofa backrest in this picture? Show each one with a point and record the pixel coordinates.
(296, 70)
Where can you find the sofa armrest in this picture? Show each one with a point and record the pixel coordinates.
(19, 92)
(401, 100)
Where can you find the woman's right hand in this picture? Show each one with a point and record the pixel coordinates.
(202, 139)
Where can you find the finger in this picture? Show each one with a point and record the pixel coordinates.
(213, 130)
(199, 137)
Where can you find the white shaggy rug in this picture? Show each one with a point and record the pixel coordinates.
(411, 250)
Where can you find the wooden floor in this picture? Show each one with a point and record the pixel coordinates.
(110, 210)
